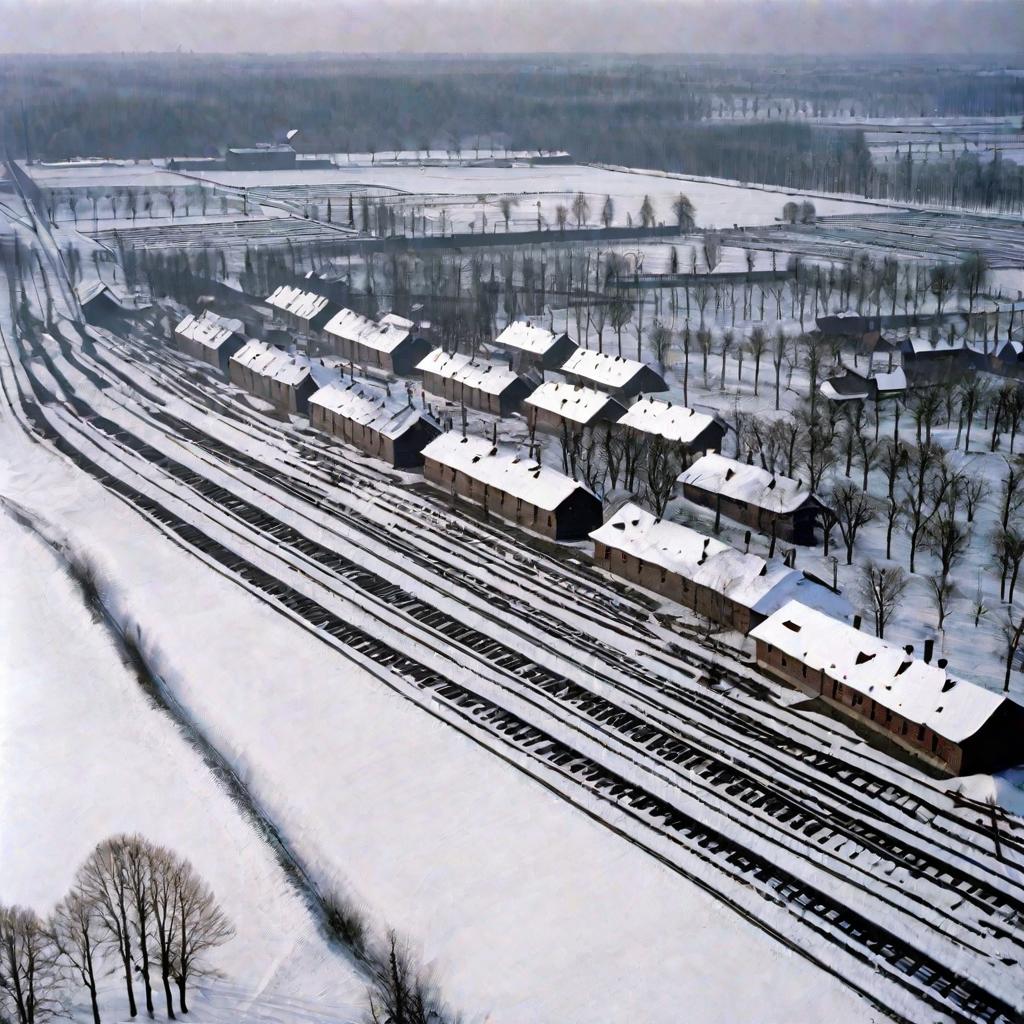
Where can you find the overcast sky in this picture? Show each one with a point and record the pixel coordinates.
(505, 26)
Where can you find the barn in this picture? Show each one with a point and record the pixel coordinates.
(710, 577)
(533, 347)
(303, 310)
(512, 487)
(618, 376)
(690, 430)
(268, 373)
(386, 427)
(769, 502)
(489, 387)
(555, 407)
(387, 344)
(211, 338)
(959, 726)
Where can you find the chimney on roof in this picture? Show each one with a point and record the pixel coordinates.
(929, 647)
(856, 622)
(942, 662)
(909, 649)
(750, 457)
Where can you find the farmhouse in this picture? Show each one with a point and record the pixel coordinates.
(704, 574)
(616, 375)
(958, 725)
(386, 427)
(693, 431)
(512, 487)
(534, 347)
(268, 373)
(387, 344)
(554, 407)
(489, 387)
(853, 386)
(211, 338)
(748, 494)
(304, 310)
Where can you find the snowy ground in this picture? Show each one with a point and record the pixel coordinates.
(84, 755)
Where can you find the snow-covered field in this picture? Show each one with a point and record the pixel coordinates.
(84, 755)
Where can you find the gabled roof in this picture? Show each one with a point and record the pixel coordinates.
(920, 692)
(271, 362)
(302, 304)
(505, 470)
(209, 329)
(673, 422)
(390, 415)
(490, 378)
(604, 369)
(351, 326)
(573, 402)
(756, 583)
(740, 482)
(525, 337)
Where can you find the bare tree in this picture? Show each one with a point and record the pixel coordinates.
(647, 213)
(947, 539)
(607, 212)
(505, 204)
(852, 509)
(790, 212)
(881, 587)
(941, 281)
(202, 927)
(684, 211)
(136, 853)
(756, 344)
(662, 468)
(561, 216)
(923, 491)
(725, 347)
(580, 208)
(942, 591)
(163, 884)
(660, 337)
(1008, 552)
(75, 929)
(620, 312)
(1011, 494)
(778, 354)
(103, 880)
(1012, 633)
(28, 975)
(399, 993)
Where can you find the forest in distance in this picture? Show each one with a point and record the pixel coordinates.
(732, 117)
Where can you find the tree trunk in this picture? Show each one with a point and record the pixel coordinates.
(182, 1004)
(166, 978)
(133, 1010)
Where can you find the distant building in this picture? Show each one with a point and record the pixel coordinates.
(702, 573)
(489, 387)
(554, 406)
(955, 724)
(211, 338)
(768, 502)
(623, 378)
(512, 487)
(305, 311)
(692, 431)
(533, 347)
(268, 373)
(386, 427)
(853, 386)
(261, 157)
(386, 344)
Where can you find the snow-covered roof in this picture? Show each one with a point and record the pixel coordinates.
(506, 470)
(525, 337)
(394, 320)
(673, 422)
(896, 380)
(923, 344)
(754, 582)
(601, 368)
(303, 304)
(920, 692)
(209, 329)
(740, 482)
(389, 415)
(352, 326)
(490, 378)
(573, 402)
(272, 362)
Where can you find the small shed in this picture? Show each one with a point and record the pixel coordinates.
(960, 726)
(211, 338)
(489, 387)
(555, 407)
(766, 501)
(616, 375)
(511, 486)
(533, 347)
(379, 424)
(693, 431)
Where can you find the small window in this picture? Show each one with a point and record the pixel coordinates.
(920, 732)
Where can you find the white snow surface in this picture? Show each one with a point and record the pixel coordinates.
(752, 484)
(573, 402)
(84, 755)
(384, 336)
(389, 415)
(524, 336)
(268, 361)
(921, 692)
(296, 301)
(208, 329)
(601, 368)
